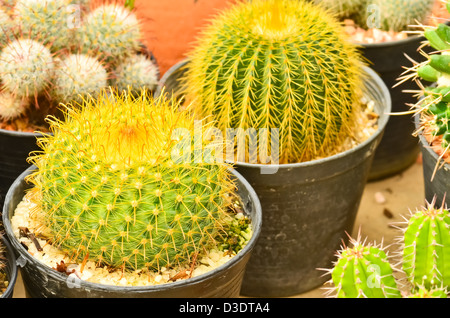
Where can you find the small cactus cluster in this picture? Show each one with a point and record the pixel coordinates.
(364, 270)
(433, 104)
(278, 64)
(387, 15)
(60, 51)
(114, 188)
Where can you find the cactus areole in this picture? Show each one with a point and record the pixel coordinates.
(278, 64)
(113, 193)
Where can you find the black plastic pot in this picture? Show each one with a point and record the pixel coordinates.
(307, 207)
(436, 187)
(15, 148)
(398, 149)
(11, 268)
(43, 282)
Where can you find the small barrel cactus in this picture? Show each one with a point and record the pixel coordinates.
(111, 31)
(26, 67)
(427, 248)
(46, 20)
(278, 64)
(136, 73)
(399, 15)
(113, 189)
(77, 76)
(11, 106)
(363, 271)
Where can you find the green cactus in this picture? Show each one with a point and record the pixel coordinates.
(46, 20)
(363, 271)
(427, 248)
(399, 15)
(136, 73)
(11, 106)
(344, 8)
(77, 76)
(278, 64)
(435, 98)
(26, 67)
(435, 292)
(111, 31)
(113, 191)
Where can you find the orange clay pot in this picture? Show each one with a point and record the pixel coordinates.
(170, 26)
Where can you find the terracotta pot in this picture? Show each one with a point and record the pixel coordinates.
(171, 26)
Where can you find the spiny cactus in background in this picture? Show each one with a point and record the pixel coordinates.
(48, 20)
(363, 271)
(112, 187)
(435, 98)
(278, 64)
(77, 76)
(26, 67)
(11, 106)
(399, 15)
(343, 8)
(392, 15)
(136, 73)
(427, 248)
(111, 31)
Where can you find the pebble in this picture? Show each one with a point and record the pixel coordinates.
(380, 198)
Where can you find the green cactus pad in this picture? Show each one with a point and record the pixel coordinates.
(113, 193)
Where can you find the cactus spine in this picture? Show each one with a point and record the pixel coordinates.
(363, 271)
(278, 64)
(111, 190)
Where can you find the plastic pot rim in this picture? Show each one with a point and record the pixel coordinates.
(256, 228)
(14, 271)
(383, 120)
